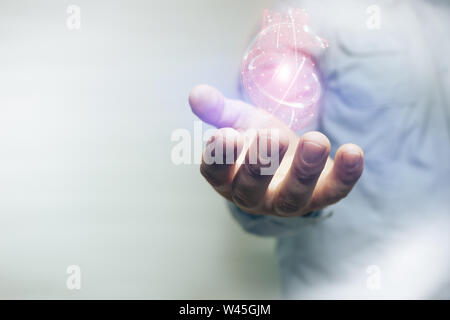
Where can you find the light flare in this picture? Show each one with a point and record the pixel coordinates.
(278, 73)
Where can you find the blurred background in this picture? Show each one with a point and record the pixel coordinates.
(86, 176)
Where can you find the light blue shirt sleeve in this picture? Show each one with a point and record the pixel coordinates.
(272, 226)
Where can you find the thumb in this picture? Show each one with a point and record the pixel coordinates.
(212, 107)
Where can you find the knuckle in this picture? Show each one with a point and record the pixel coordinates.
(342, 192)
(288, 205)
(253, 171)
(210, 175)
(338, 194)
(349, 178)
(305, 175)
(242, 196)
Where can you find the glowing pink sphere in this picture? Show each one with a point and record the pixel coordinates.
(277, 73)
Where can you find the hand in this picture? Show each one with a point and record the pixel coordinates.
(307, 178)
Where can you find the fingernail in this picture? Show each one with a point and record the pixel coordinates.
(312, 152)
(351, 159)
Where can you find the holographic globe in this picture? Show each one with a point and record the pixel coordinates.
(279, 73)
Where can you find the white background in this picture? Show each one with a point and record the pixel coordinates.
(86, 176)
